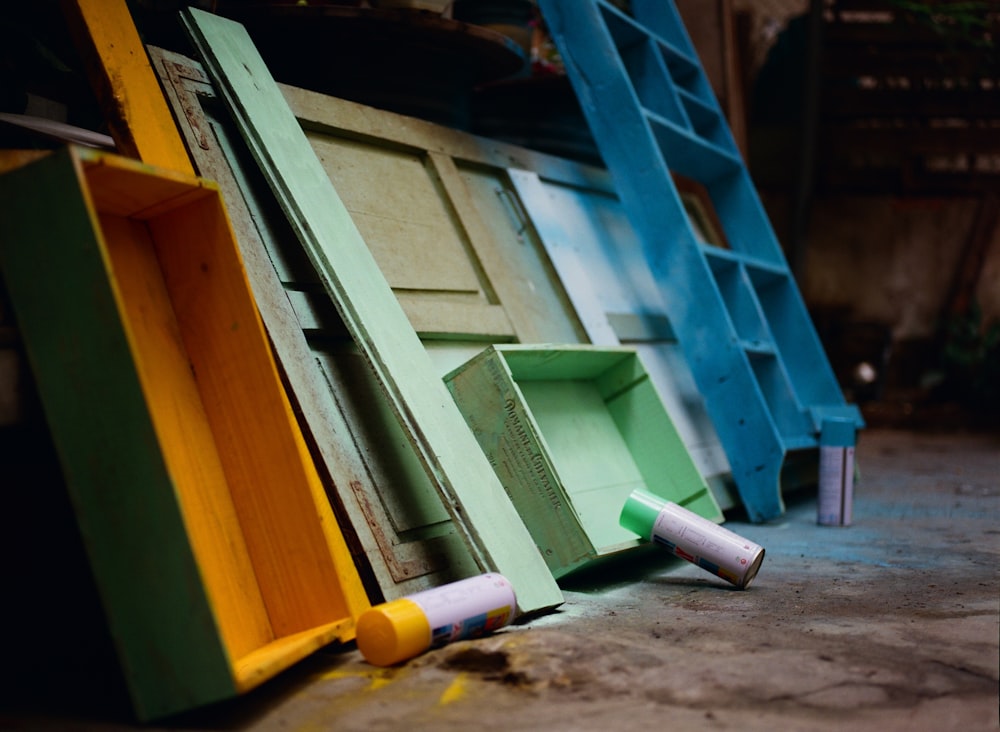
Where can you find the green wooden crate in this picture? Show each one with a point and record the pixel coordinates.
(571, 431)
(212, 543)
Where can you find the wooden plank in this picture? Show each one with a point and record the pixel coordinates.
(65, 333)
(445, 227)
(374, 480)
(532, 309)
(511, 254)
(515, 229)
(139, 117)
(322, 113)
(507, 227)
(138, 112)
(471, 491)
(126, 87)
(528, 232)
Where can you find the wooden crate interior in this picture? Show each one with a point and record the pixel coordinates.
(607, 433)
(572, 430)
(273, 563)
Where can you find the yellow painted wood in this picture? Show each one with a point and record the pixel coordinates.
(294, 548)
(135, 110)
(292, 535)
(138, 117)
(11, 159)
(192, 314)
(265, 662)
(282, 525)
(185, 435)
(267, 551)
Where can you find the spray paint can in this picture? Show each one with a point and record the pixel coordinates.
(401, 629)
(835, 494)
(692, 537)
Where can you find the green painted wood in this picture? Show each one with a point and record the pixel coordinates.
(571, 431)
(149, 581)
(599, 258)
(446, 234)
(401, 531)
(525, 237)
(490, 525)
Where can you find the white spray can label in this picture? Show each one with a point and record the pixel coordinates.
(835, 492)
(722, 552)
(467, 608)
(694, 538)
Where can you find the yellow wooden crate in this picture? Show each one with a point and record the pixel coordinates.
(214, 547)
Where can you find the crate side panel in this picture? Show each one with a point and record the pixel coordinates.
(56, 277)
(498, 417)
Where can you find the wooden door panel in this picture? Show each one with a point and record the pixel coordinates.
(342, 410)
(395, 203)
(432, 200)
(595, 250)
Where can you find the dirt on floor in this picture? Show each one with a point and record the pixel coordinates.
(892, 623)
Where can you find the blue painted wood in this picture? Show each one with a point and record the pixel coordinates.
(594, 249)
(739, 317)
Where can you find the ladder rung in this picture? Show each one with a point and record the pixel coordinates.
(758, 347)
(690, 154)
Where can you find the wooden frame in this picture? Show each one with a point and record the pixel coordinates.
(214, 548)
(333, 392)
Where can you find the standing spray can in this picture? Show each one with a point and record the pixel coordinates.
(692, 537)
(401, 629)
(835, 494)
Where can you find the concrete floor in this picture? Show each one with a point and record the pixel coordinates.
(891, 624)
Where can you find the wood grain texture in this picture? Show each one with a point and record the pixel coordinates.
(213, 544)
(371, 473)
(262, 442)
(94, 399)
(126, 87)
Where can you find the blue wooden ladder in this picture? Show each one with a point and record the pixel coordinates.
(737, 312)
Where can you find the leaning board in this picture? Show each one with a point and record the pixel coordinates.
(476, 501)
